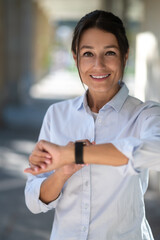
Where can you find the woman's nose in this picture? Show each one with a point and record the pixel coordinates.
(99, 62)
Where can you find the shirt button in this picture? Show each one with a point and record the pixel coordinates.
(99, 120)
(84, 229)
(86, 206)
(86, 184)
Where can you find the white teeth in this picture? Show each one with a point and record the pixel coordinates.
(100, 76)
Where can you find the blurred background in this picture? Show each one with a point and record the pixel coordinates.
(36, 70)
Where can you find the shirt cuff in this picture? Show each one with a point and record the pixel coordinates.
(32, 193)
(51, 205)
(128, 146)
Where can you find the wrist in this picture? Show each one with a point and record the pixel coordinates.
(67, 154)
(60, 175)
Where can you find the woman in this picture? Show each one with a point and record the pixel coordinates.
(97, 189)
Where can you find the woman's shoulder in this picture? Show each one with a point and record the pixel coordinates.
(148, 103)
(151, 108)
(146, 108)
(66, 105)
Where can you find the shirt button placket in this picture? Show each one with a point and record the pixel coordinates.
(99, 120)
(85, 203)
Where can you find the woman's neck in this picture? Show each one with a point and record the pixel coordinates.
(95, 105)
(97, 100)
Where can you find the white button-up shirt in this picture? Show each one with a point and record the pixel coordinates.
(102, 202)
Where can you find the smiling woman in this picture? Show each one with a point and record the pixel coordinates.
(91, 163)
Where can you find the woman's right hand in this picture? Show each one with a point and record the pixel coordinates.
(38, 159)
(46, 157)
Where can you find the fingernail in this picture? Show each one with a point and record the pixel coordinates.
(42, 166)
(47, 161)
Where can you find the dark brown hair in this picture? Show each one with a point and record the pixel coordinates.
(106, 21)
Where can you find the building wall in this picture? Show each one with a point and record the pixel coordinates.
(152, 90)
(148, 54)
(2, 95)
(42, 41)
(151, 24)
(147, 79)
(152, 18)
(1, 55)
(24, 50)
(16, 35)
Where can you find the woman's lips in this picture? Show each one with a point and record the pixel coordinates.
(100, 77)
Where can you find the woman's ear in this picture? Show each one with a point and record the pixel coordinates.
(74, 57)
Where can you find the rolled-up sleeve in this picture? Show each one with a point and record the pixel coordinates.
(143, 152)
(148, 156)
(33, 184)
(32, 193)
(128, 146)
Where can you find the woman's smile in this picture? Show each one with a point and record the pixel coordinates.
(100, 77)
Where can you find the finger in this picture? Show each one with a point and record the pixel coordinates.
(34, 167)
(47, 146)
(83, 165)
(37, 160)
(32, 171)
(41, 165)
(86, 141)
(43, 145)
(37, 170)
(79, 166)
(39, 148)
(39, 153)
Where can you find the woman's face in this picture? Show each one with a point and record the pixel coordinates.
(100, 63)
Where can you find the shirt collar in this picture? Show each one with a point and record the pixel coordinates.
(82, 101)
(116, 102)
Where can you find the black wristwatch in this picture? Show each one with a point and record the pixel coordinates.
(79, 152)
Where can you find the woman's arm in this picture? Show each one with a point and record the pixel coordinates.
(106, 154)
(52, 186)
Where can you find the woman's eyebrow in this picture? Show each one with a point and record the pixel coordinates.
(86, 46)
(111, 46)
(106, 47)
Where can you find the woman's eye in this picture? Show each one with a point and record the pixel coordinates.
(88, 54)
(110, 53)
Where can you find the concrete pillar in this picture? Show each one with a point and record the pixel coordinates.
(18, 40)
(42, 43)
(2, 94)
(119, 8)
(25, 33)
(150, 32)
(148, 64)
